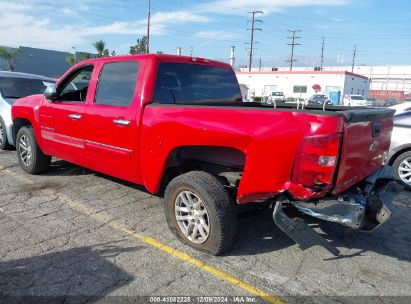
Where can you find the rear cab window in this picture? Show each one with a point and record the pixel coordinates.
(194, 84)
(117, 83)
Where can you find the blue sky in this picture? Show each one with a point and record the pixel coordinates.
(380, 29)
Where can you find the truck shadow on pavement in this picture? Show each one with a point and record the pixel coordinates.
(75, 275)
(259, 234)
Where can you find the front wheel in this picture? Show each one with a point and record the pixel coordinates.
(31, 158)
(402, 169)
(4, 145)
(200, 212)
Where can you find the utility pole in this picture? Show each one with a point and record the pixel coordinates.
(253, 29)
(74, 54)
(232, 57)
(293, 44)
(148, 27)
(191, 51)
(322, 55)
(354, 53)
(259, 66)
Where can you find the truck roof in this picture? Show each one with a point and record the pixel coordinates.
(165, 58)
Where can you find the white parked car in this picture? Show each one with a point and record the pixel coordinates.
(354, 100)
(277, 97)
(14, 85)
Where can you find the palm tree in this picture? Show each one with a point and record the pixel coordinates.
(71, 60)
(86, 56)
(8, 56)
(100, 47)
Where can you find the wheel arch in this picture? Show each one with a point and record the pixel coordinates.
(18, 123)
(403, 149)
(216, 160)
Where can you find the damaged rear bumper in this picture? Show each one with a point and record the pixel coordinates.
(366, 209)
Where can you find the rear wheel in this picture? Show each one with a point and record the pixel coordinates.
(31, 158)
(200, 212)
(402, 169)
(4, 144)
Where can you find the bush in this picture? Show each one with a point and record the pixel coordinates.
(257, 98)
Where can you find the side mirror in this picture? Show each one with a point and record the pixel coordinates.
(51, 92)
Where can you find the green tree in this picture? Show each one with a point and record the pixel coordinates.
(100, 47)
(86, 56)
(140, 47)
(8, 56)
(70, 60)
(113, 53)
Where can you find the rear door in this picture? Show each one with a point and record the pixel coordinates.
(366, 141)
(62, 120)
(111, 126)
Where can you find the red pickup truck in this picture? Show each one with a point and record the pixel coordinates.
(179, 122)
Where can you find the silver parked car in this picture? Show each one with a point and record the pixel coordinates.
(15, 85)
(400, 150)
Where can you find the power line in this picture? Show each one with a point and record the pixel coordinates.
(253, 29)
(293, 45)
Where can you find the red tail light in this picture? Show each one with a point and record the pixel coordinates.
(316, 160)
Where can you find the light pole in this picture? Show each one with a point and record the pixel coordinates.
(74, 54)
(148, 27)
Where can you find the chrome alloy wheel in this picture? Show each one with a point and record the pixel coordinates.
(25, 150)
(192, 217)
(404, 171)
(2, 132)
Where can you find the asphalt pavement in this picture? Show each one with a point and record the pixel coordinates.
(76, 236)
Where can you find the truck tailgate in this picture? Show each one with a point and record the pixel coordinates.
(366, 140)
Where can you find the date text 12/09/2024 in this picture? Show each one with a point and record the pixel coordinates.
(203, 299)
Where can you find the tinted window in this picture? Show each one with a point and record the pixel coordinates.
(357, 97)
(12, 87)
(117, 83)
(196, 84)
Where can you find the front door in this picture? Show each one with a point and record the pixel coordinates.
(111, 127)
(62, 120)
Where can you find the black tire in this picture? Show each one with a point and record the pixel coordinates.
(39, 162)
(222, 214)
(396, 167)
(4, 144)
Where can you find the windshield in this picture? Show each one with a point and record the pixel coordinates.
(357, 97)
(277, 94)
(12, 87)
(320, 97)
(196, 84)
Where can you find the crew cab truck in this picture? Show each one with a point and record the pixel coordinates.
(179, 122)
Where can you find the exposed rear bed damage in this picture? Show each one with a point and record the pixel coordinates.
(365, 210)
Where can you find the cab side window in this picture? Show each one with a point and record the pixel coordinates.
(75, 88)
(117, 83)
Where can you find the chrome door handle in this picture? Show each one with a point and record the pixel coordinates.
(121, 122)
(74, 116)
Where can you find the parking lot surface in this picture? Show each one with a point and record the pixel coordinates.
(85, 237)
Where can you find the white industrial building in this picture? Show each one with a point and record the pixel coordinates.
(303, 84)
(389, 77)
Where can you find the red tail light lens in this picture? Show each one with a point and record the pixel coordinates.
(316, 160)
